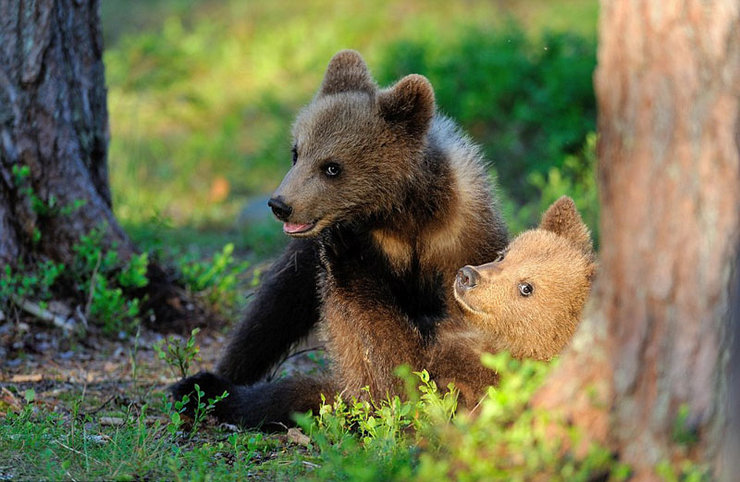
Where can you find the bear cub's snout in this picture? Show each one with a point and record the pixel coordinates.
(468, 277)
(279, 208)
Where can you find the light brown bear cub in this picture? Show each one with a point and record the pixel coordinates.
(528, 302)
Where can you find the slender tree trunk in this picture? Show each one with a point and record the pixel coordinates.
(54, 124)
(668, 90)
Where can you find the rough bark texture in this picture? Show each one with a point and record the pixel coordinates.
(54, 120)
(668, 90)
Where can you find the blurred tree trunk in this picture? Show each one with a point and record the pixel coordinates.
(655, 350)
(54, 124)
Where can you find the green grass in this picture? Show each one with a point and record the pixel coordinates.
(39, 445)
(416, 439)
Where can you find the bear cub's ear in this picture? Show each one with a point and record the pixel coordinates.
(563, 219)
(409, 103)
(347, 72)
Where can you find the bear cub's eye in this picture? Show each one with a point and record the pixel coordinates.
(294, 151)
(332, 169)
(526, 289)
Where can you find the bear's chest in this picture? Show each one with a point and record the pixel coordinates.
(354, 270)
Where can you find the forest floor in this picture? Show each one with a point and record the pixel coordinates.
(95, 408)
(59, 366)
(52, 363)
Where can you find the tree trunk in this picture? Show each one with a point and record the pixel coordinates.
(54, 120)
(668, 90)
(729, 461)
(54, 123)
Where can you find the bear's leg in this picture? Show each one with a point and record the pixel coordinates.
(264, 405)
(369, 339)
(455, 357)
(283, 311)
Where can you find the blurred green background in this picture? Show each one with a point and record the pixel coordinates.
(202, 94)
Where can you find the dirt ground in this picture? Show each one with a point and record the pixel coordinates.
(62, 367)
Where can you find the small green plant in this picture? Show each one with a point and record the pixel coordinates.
(35, 283)
(133, 274)
(363, 439)
(178, 356)
(199, 405)
(217, 279)
(685, 471)
(682, 432)
(43, 208)
(387, 422)
(106, 282)
(97, 280)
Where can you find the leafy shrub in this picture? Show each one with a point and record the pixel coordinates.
(529, 102)
(178, 356)
(216, 279)
(22, 284)
(103, 278)
(504, 439)
(98, 281)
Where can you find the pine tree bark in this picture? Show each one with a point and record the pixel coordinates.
(54, 121)
(668, 91)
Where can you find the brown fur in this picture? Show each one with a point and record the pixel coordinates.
(421, 193)
(411, 204)
(557, 260)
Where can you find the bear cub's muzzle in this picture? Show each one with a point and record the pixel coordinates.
(281, 210)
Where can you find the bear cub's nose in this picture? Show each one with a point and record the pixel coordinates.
(468, 277)
(279, 208)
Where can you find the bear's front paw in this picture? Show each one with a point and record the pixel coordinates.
(208, 384)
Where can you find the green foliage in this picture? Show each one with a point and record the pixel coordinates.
(133, 274)
(382, 426)
(368, 440)
(111, 307)
(106, 281)
(97, 280)
(23, 284)
(682, 431)
(685, 471)
(36, 444)
(217, 280)
(507, 440)
(575, 178)
(529, 101)
(419, 439)
(202, 406)
(43, 208)
(178, 356)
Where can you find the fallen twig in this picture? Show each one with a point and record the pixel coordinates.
(67, 324)
(110, 399)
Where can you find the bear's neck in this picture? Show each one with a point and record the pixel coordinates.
(429, 205)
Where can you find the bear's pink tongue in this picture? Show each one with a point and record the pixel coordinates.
(290, 228)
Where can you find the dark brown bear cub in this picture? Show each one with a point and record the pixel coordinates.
(386, 199)
(527, 302)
